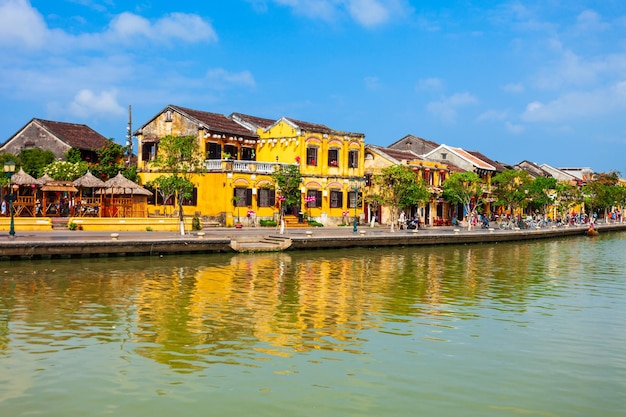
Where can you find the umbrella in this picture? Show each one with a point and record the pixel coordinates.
(22, 178)
(89, 181)
(44, 179)
(120, 185)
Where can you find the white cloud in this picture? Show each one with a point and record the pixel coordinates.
(492, 115)
(367, 13)
(590, 21)
(578, 105)
(513, 128)
(87, 103)
(21, 25)
(429, 84)
(372, 83)
(219, 78)
(446, 108)
(514, 88)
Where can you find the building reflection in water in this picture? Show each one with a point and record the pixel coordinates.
(191, 312)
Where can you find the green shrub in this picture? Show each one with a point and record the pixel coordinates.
(315, 224)
(148, 229)
(267, 223)
(72, 226)
(195, 224)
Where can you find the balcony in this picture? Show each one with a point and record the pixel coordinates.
(230, 165)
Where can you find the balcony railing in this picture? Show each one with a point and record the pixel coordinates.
(229, 165)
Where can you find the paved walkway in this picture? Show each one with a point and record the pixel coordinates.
(232, 233)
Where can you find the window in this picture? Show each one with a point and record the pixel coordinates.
(427, 176)
(266, 197)
(444, 156)
(213, 150)
(313, 198)
(353, 159)
(333, 157)
(311, 156)
(248, 154)
(243, 196)
(230, 152)
(148, 151)
(355, 199)
(336, 199)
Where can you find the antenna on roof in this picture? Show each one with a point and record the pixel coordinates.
(129, 136)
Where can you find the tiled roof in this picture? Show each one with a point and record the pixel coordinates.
(476, 161)
(75, 135)
(415, 142)
(254, 120)
(398, 155)
(498, 166)
(215, 122)
(265, 123)
(310, 127)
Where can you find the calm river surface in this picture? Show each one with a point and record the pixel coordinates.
(528, 329)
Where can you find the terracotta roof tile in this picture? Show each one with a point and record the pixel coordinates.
(216, 122)
(76, 135)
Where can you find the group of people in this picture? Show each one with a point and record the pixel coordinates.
(408, 223)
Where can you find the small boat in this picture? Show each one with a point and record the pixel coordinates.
(592, 231)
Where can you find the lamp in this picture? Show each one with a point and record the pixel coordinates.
(355, 184)
(9, 169)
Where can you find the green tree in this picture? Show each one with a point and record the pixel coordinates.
(179, 157)
(541, 193)
(34, 160)
(601, 192)
(166, 186)
(73, 155)
(567, 195)
(463, 188)
(288, 180)
(398, 188)
(511, 189)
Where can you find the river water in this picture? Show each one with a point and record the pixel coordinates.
(524, 329)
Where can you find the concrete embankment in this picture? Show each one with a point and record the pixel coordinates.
(69, 244)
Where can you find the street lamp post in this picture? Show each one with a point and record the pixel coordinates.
(9, 169)
(355, 187)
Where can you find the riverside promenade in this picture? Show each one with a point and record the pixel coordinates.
(70, 244)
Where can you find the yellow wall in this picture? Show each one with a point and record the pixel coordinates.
(282, 143)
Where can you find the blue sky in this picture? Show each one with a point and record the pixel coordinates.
(543, 81)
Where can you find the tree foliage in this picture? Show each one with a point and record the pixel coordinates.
(398, 188)
(463, 188)
(511, 188)
(34, 160)
(179, 158)
(541, 192)
(288, 180)
(602, 191)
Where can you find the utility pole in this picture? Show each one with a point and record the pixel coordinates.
(129, 136)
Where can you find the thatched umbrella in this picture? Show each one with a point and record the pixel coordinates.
(120, 185)
(44, 179)
(89, 205)
(22, 178)
(23, 205)
(88, 181)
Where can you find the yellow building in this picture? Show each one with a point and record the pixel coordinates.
(241, 153)
(436, 212)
